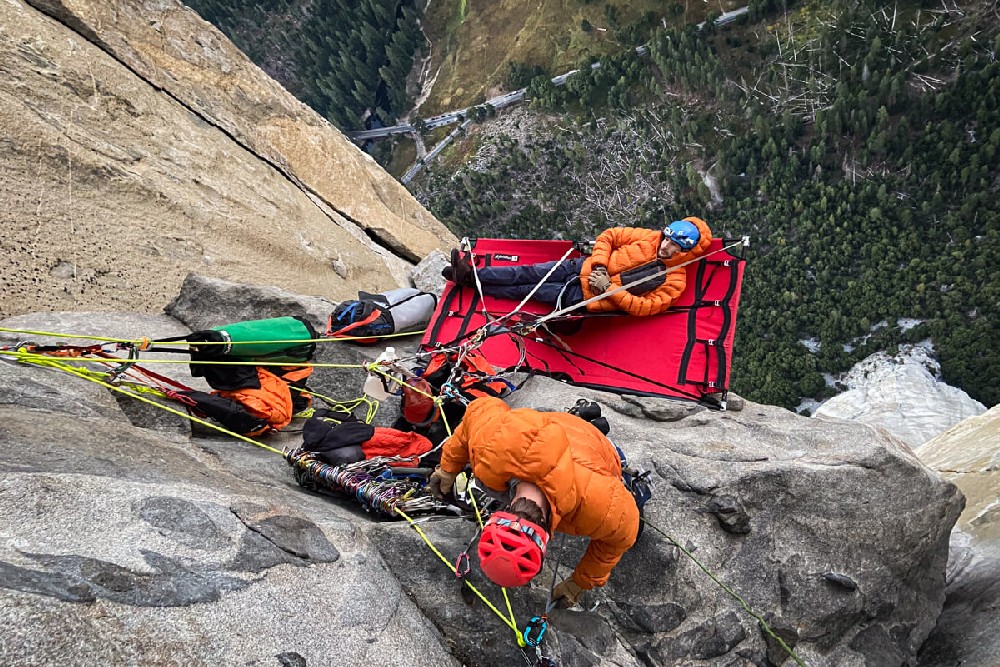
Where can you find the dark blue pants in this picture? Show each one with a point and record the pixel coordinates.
(515, 282)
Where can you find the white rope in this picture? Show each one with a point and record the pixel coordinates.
(604, 295)
(467, 245)
(476, 340)
(540, 283)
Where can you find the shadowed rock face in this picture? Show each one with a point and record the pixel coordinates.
(968, 455)
(139, 145)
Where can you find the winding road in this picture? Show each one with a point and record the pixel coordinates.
(499, 102)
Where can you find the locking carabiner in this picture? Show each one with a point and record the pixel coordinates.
(534, 631)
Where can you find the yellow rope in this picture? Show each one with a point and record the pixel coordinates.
(89, 360)
(64, 364)
(87, 375)
(509, 623)
(506, 599)
(62, 335)
(34, 357)
(348, 407)
(44, 359)
(140, 341)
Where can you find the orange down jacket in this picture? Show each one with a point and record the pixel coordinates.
(629, 253)
(271, 402)
(574, 464)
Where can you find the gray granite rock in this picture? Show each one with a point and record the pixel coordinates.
(427, 276)
(835, 533)
(785, 512)
(128, 546)
(205, 302)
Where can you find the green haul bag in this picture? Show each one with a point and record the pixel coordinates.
(277, 340)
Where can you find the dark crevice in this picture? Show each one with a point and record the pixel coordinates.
(73, 578)
(400, 251)
(55, 10)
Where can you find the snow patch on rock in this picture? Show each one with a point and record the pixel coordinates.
(902, 394)
(812, 344)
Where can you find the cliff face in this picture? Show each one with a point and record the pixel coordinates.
(968, 455)
(140, 145)
(127, 537)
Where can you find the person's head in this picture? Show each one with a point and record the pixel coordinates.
(513, 543)
(679, 236)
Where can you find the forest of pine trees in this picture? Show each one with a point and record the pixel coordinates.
(332, 54)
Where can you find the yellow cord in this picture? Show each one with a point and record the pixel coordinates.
(145, 340)
(506, 599)
(510, 624)
(88, 360)
(87, 375)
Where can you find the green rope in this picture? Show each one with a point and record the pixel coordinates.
(746, 606)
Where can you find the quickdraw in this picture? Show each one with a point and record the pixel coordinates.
(541, 660)
(370, 481)
(462, 565)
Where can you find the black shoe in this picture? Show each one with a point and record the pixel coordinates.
(461, 269)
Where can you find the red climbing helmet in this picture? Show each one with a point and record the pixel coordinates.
(511, 549)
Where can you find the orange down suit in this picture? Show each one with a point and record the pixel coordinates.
(629, 254)
(574, 464)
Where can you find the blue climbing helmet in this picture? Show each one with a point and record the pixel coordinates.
(683, 233)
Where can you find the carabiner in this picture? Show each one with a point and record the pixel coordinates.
(462, 566)
(533, 636)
